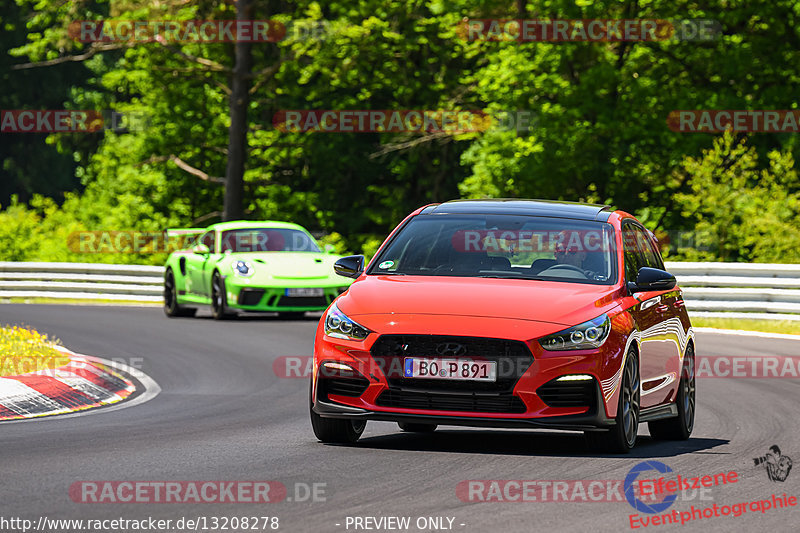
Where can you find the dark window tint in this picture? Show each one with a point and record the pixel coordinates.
(268, 240)
(208, 240)
(501, 246)
(633, 259)
(640, 251)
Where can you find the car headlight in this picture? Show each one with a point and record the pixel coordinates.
(338, 325)
(591, 334)
(243, 268)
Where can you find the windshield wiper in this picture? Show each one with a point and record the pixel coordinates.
(512, 276)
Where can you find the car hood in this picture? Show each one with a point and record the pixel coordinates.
(289, 265)
(562, 303)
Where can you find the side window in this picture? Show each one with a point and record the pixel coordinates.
(651, 251)
(640, 251)
(644, 246)
(634, 259)
(208, 240)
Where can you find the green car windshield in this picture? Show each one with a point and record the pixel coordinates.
(267, 240)
(502, 246)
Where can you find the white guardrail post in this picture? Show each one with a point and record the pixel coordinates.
(736, 290)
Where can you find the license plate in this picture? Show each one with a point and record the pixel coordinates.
(456, 369)
(317, 291)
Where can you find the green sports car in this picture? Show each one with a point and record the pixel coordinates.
(250, 266)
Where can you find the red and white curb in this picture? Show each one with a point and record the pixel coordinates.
(85, 383)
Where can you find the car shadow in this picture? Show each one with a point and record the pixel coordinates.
(264, 317)
(528, 443)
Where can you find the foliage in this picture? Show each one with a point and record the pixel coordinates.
(599, 133)
(744, 212)
(24, 350)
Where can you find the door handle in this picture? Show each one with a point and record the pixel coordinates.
(647, 304)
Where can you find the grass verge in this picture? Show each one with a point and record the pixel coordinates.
(791, 327)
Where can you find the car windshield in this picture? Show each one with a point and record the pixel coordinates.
(268, 240)
(502, 246)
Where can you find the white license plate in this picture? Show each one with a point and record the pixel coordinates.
(457, 369)
(317, 291)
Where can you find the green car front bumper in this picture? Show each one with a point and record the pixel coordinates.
(254, 298)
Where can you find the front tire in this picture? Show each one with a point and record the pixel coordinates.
(680, 427)
(337, 430)
(171, 307)
(622, 437)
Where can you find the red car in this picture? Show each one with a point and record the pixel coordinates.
(508, 313)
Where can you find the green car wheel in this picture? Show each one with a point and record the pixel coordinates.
(171, 307)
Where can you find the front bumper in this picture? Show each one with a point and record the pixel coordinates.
(594, 419)
(535, 397)
(254, 298)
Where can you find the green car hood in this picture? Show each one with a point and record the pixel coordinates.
(288, 266)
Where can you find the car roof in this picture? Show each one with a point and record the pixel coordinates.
(516, 206)
(247, 224)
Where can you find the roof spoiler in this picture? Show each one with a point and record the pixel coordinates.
(174, 233)
(182, 238)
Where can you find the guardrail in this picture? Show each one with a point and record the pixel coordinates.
(740, 290)
(82, 281)
(736, 290)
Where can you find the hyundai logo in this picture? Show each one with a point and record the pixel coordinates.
(451, 348)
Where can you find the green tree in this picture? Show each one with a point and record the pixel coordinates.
(741, 212)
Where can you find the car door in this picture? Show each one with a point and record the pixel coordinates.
(669, 347)
(195, 267)
(210, 264)
(651, 315)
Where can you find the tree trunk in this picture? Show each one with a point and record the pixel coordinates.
(237, 135)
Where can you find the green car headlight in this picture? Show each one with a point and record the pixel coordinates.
(243, 268)
(339, 326)
(591, 334)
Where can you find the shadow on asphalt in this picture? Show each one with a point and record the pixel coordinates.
(533, 443)
(262, 317)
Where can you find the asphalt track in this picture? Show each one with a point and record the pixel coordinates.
(223, 414)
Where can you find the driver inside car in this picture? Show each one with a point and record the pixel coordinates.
(569, 255)
(575, 256)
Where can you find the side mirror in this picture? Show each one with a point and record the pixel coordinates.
(350, 267)
(652, 279)
(201, 249)
(329, 248)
